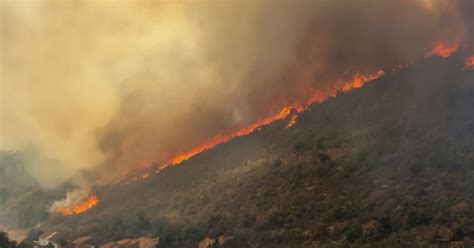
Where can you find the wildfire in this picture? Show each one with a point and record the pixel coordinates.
(218, 139)
(356, 82)
(90, 202)
(292, 121)
(359, 80)
(316, 96)
(444, 50)
(469, 64)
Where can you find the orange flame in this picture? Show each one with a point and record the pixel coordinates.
(292, 121)
(81, 207)
(317, 96)
(218, 139)
(469, 64)
(359, 80)
(444, 50)
(356, 82)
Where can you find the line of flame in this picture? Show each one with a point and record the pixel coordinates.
(90, 202)
(292, 121)
(317, 96)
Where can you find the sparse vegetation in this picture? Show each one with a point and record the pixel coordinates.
(386, 165)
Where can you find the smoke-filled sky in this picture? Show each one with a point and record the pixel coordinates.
(114, 83)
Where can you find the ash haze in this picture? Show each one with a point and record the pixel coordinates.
(112, 84)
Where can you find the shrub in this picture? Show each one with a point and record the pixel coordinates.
(194, 233)
(161, 226)
(353, 234)
(5, 242)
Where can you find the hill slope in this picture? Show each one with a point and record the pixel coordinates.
(389, 164)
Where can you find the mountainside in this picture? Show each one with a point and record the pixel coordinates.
(23, 201)
(390, 164)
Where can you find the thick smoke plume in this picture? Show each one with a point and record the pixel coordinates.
(117, 84)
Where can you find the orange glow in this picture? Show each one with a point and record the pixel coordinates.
(316, 96)
(356, 82)
(218, 139)
(145, 163)
(81, 207)
(359, 80)
(469, 63)
(292, 121)
(444, 50)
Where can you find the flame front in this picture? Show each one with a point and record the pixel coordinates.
(317, 96)
(359, 80)
(226, 137)
(444, 50)
(292, 121)
(90, 202)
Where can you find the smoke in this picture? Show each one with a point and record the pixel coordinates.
(96, 83)
(73, 198)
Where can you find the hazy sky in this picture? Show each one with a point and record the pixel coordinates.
(118, 82)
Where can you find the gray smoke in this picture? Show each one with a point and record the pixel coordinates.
(98, 83)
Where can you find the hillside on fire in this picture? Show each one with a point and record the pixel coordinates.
(390, 164)
(163, 124)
